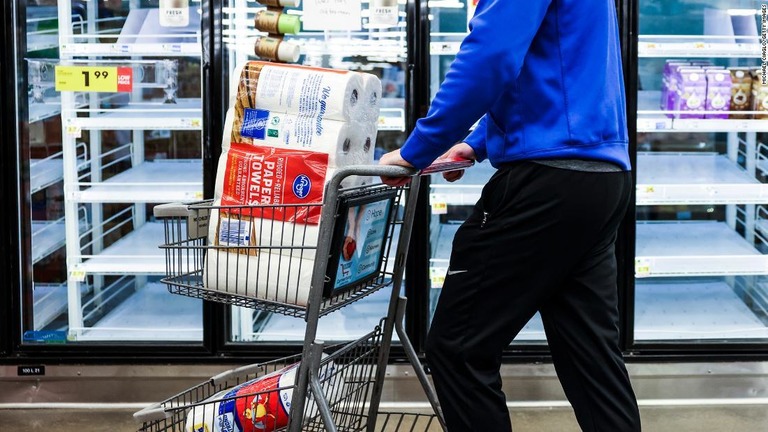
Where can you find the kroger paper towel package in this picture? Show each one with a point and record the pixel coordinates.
(262, 404)
(289, 129)
(266, 276)
(202, 418)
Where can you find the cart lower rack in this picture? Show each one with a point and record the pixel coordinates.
(268, 257)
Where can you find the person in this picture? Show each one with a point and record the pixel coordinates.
(544, 79)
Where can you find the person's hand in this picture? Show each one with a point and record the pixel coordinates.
(394, 158)
(459, 151)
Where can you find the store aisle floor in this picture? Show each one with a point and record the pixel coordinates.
(656, 419)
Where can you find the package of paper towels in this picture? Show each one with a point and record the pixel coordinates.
(262, 235)
(301, 90)
(266, 276)
(262, 404)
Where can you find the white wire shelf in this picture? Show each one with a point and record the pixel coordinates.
(137, 253)
(651, 118)
(141, 35)
(48, 171)
(698, 46)
(47, 238)
(44, 172)
(185, 114)
(161, 180)
(694, 249)
(692, 309)
(695, 178)
(151, 313)
(50, 301)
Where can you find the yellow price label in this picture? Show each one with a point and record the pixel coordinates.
(439, 208)
(103, 79)
(437, 276)
(642, 267)
(74, 131)
(77, 274)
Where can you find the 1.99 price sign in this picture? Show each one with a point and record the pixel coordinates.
(94, 79)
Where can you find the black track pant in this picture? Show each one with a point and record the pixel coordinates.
(540, 239)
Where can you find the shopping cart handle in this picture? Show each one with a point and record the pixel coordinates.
(151, 413)
(177, 209)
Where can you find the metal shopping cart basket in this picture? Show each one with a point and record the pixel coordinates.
(263, 257)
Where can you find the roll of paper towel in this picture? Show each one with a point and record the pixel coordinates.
(202, 418)
(265, 276)
(307, 91)
(271, 236)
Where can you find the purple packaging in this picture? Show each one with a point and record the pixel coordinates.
(691, 92)
(718, 93)
(669, 84)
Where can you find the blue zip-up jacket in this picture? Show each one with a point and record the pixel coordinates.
(543, 76)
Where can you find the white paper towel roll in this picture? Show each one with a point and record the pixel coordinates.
(265, 276)
(314, 92)
(203, 417)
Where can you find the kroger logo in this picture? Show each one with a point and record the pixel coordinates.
(301, 186)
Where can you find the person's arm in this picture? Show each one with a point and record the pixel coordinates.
(487, 64)
(476, 140)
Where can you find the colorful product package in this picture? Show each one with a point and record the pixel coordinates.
(759, 95)
(264, 404)
(262, 175)
(718, 93)
(691, 92)
(741, 92)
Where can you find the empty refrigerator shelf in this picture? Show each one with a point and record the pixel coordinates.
(43, 110)
(161, 180)
(151, 313)
(651, 118)
(465, 191)
(44, 172)
(695, 178)
(693, 309)
(185, 114)
(47, 237)
(50, 301)
(136, 253)
(442, 242)
(694, 249)
(48, 171)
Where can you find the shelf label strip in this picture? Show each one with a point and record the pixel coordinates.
(103, 79)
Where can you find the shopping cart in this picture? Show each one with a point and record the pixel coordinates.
(336, 388)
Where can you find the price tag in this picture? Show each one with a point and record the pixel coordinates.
(439, 204)
(104, 79)
(646, 189)
(77, 274)
(437, 276)
(642, 267)
(74, 131)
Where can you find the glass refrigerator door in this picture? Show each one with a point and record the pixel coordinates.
(702, 201)
(113, 121)
(451, 203)
(367, 37)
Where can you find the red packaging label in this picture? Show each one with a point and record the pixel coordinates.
(258, 405)
(124, 79)
(262, 175)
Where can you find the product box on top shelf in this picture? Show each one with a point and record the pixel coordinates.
(759, 95)
(741, 92)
